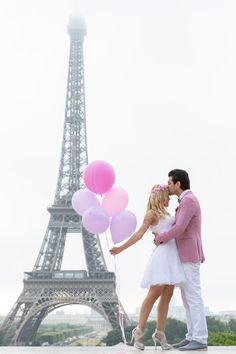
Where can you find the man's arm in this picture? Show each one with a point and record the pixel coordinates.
(185, 214)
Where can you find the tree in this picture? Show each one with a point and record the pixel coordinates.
(220, 333)
(2, 340)
(115, 336)
(215, 325)
(223, 339)
(175, 330)
(232, 325)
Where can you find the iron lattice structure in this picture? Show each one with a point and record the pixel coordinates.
(48, 287)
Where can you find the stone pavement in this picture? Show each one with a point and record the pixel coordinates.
(117, 349)
(121, 349)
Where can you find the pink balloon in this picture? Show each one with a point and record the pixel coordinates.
(84, 199)
(95, 220)
(99, 176)
(115, 200)
(122, 225)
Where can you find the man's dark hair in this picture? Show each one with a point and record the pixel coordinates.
(180, 176)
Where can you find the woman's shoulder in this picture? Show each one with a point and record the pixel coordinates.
(150, 215)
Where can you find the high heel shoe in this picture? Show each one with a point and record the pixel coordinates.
(137, 338)
(160, 337)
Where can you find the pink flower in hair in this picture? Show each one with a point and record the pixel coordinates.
(162, 187)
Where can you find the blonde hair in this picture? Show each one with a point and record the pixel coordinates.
(156, 200)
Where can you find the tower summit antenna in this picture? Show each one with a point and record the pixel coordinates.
(76, 25)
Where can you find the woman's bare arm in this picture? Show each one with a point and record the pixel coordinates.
(148, 220)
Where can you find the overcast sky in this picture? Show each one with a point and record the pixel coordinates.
(160, 94)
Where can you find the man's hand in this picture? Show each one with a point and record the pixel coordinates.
(157, 243)
(156, 239)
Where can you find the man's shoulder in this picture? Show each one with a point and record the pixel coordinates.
(189, 197)
(190, 201)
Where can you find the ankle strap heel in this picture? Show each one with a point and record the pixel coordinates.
(160, 337)
(137, 338)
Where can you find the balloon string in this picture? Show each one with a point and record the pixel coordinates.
(121, 313)
(108, 246)
(120, 309)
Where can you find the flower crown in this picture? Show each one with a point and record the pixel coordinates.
(162, 187)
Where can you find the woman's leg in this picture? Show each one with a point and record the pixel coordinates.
(163, 306)
(153, 294)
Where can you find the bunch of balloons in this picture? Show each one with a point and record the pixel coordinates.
(97, 216)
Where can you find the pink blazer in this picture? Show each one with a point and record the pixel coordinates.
(186, 230)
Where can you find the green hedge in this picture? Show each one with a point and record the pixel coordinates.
(220, 333)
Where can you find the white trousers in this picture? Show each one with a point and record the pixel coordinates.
(193, 303)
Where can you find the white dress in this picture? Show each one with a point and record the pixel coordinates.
(164, 266)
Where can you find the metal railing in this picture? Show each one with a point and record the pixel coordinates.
(69, 275)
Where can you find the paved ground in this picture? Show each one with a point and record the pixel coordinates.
(119, 349)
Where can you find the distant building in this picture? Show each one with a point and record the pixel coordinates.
(226, 315)
(96, 321)
(61, 317)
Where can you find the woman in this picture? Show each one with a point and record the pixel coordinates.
(163, 270)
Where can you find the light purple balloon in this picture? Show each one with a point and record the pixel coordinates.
(115, 200)
(122, 225)
(95, 220)
(83, 199)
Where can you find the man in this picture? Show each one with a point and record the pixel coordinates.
(187, 232)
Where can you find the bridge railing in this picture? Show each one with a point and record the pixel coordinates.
(68, 275)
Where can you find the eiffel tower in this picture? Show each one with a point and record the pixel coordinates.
(47, 287)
